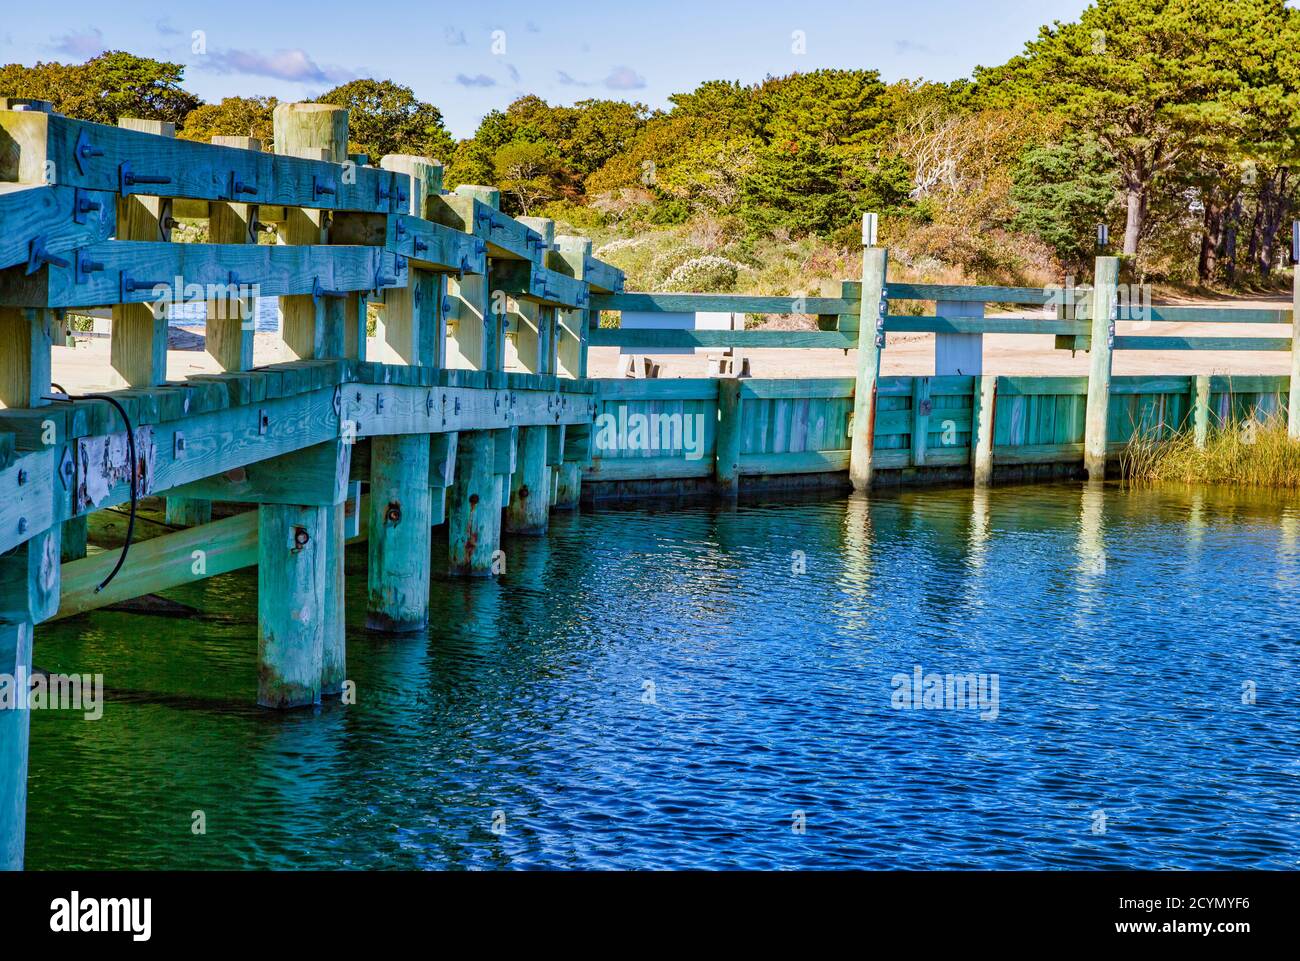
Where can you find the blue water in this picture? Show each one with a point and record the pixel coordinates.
(266, 314)
(1122, 627)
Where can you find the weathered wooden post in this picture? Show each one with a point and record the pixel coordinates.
(316, 328)
(399, 534)
(412, 333)
(1103, 337)
(138, 341)
(412, 328)
(871, 340)
(1293, 399)
(15, 723)
(29, 574)
(291, 603)
(726, 465)
(985, 407)
(528, 511)
(577, 454)
(571, 325)
(1201, 411)
(473, 505)
(476, 340)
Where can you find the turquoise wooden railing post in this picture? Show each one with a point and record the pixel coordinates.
(726, 465)
(1099, 370)
(291, 585)
(984, 403)
(400, 534)
(871, 339)
(1293, 399)
(921, 404)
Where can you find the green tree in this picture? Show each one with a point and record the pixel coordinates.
(387, 118)
(1061, 191)
(1148, 78)
(528, 174)
(232, 117)
(105, 88)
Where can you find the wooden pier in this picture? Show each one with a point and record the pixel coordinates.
(470, 406)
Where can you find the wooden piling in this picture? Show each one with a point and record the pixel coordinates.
(1099, 370)
(291, 590)
(985, 407)
(473, 506)
(726, 465)
(334, 647)
(871, 339)
(528, 511)
(15, 725)
(1201, 411)
(577, 454)
(398, 580)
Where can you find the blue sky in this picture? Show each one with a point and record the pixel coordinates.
(453, 56)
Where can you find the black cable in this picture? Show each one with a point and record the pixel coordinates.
(130, 447)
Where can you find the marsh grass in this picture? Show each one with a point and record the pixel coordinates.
(1248, 453)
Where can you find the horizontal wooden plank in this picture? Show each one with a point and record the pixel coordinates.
(1037, 296)
(647, 468)
(649, 340)
(602, 277)
(1038, 386)
(673, 388)
(796, 462)
(1151, 385)
(98, 157)
(118, 272)
(1203, 343)
(901, 323)
(726, 303)
(505, 237)
(1249, 384)
(1210, 315)
(524, 280)
(819, 388)
(1038, 454)
(51, 220)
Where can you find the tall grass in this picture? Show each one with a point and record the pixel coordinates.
(1250, 453)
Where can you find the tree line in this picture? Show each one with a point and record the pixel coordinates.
(1174, 122)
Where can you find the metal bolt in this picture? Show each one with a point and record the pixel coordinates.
(300, 538)
(22, 477)
(22, 525)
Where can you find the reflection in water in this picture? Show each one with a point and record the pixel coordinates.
(1121, 650)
